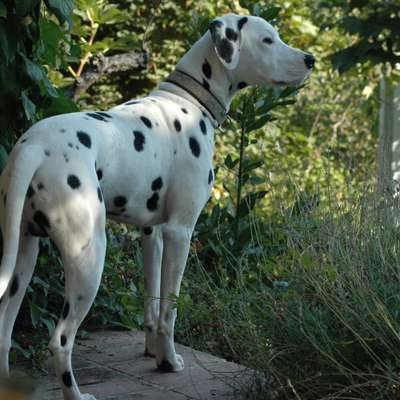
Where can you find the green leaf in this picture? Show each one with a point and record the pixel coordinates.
(269, 13)
(50, 325)
(3, 10)
(259, 123)
(38, 75)
(250, 165)
(257, 180)
(229, 162)
(36, 313)
(3, 157)
(29, 107)
(62, 10)
(60, 105)
(249, 202)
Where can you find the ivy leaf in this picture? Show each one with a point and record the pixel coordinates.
(37, 74)
(62, 9)
(29, 107)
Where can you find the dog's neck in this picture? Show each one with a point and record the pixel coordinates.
(202, 64)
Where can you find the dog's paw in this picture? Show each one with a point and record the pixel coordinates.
(87, 396)
(175, 365)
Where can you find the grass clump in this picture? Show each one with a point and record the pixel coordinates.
(316, 311)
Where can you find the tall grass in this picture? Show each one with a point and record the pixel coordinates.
(316, 311)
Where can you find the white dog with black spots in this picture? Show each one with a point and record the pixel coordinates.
(147, 162)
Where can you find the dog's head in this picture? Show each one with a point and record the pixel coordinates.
(252, 48)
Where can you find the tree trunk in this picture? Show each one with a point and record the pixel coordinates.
(386, 137)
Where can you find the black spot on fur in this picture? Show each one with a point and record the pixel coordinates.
(99, 174)
(206, 68)
(194, 146)
(184, 110)
(146, 121)
(67, 378)
(206, 84)
(129, 103)
(103, 114)
(165, 366)
(62, 130)
(157, 184)
(70, 145)
(73, 181)
(241, 22)
(225, 50)
(97, 116)
(41, 221)
(210, 176)
(139, 140)
(5, 199)
(30, 192)
(203, 127)
(152, 202)
(65, 311)
(40, 186)
(84, 138)
(99, 195)
(242, 85)
(177, 125)
(147, 230)
(23, 141)
(63, 340)
(231, 34)
(47, 153)
(14, 286)
(119, 201)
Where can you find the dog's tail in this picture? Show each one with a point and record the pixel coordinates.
(22, 166)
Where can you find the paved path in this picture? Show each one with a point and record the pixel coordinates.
(111, 366)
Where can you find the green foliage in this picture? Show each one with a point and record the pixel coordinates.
(376, 27)
(30, 43)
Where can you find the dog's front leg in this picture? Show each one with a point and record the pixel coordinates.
(152, 244)
(176, 248)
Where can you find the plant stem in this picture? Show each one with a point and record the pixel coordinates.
(239, 181)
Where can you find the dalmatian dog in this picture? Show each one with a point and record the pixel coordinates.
(147, 162)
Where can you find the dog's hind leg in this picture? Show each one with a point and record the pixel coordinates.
(152, 244)
(12, 299)
(83, 270)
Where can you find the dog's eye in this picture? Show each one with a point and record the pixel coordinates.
(268, 40)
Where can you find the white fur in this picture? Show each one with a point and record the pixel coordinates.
(51, 151)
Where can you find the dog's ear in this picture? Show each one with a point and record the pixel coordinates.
(226, 34)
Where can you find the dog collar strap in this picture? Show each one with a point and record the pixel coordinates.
(207, 99)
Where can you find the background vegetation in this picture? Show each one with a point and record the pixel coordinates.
(294, 253)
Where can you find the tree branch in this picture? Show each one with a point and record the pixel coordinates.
(106, 65)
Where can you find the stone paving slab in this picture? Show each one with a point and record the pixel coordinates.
(111, 366)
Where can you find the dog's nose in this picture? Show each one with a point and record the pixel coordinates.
(309, 60)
